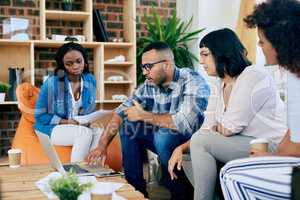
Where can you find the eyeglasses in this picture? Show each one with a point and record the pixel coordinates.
(148, 66)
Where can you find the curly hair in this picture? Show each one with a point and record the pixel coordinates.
(280, 22)
(63, 50)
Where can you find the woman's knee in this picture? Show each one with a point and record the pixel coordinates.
(84, 132)
(202, 139)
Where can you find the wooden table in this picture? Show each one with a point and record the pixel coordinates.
(19, 183)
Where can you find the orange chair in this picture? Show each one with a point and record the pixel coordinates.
(26, 139)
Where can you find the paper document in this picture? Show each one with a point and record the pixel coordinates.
(84, 119)
(106, 187)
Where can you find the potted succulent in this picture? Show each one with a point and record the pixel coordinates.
(67, 187)
(67, 5)
(3, 89)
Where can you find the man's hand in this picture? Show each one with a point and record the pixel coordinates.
(97, 156)
(135, 113)
(176, 158)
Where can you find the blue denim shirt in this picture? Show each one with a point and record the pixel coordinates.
(54, 102)
(185, 100)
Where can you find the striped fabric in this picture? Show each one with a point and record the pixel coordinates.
(263, 178)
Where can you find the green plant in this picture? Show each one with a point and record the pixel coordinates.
(68, 187)
(175, 33)
(4, 87)
(68, 1)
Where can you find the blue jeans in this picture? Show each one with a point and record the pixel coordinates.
(136, 136)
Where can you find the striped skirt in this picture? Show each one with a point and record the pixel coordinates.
(264, 178)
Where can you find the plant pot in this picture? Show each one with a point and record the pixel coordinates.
(67, 6)
(2, 97)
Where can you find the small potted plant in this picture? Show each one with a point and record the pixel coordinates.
(3, 90)
(67, 187)
(67, 5)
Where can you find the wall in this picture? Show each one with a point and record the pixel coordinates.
(112, 13)
(211, 15)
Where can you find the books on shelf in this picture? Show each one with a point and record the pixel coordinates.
(98, 27)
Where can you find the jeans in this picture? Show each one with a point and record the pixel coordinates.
(136, 136)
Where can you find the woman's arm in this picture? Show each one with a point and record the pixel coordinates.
(287, 147)
(43, 115)
(176, 158)
(224, 131)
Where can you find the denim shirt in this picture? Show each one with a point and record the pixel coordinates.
(54, 102)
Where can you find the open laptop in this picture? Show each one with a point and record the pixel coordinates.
(78, 169)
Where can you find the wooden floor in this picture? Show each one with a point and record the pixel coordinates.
(157, 192)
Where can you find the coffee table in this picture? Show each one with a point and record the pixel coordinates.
(19, 183)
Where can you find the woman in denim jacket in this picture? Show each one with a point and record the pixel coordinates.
(70, 92)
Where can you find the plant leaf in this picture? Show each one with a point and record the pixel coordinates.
(174, 32)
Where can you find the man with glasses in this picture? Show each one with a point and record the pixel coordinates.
(162, 113)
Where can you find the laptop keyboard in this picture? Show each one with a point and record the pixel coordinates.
(76, 168)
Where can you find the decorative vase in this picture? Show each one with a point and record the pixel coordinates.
(67, 6)
(15, 78)
(2, 97)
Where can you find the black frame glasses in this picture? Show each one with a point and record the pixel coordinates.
(148, 66)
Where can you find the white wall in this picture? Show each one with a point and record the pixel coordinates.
(209, 14)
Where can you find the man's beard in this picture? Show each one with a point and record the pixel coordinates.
(162, 81)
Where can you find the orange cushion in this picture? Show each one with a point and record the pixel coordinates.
(25, 137)
(114, 156)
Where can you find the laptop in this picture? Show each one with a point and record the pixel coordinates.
(78, 169)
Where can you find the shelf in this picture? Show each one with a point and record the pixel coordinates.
(117, 82)
(117, 44)
(118, 63)
(56, 44)
(9, 103)
(33, 54)
(66, 15)
(15, 42)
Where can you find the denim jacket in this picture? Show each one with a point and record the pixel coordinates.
(54, 102)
